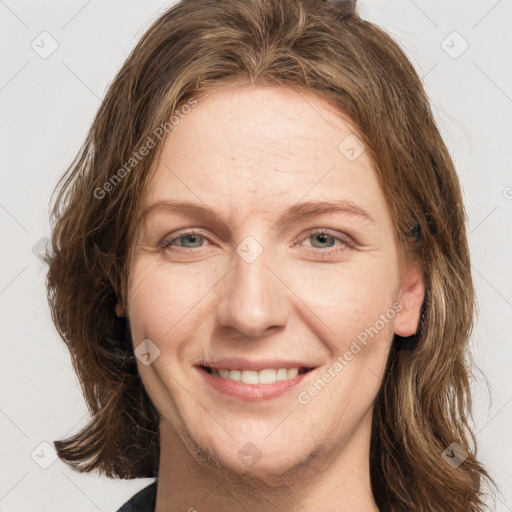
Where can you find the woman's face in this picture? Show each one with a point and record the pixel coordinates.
(254, 274)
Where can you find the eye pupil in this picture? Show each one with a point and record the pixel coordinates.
(194, 238)
(324, 237)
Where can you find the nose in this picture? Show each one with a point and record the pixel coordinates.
(253, 296)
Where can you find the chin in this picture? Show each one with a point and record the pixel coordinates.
(260, 459)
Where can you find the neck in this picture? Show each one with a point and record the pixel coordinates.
(333, 476)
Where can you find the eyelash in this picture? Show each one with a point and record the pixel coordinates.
(347, 243)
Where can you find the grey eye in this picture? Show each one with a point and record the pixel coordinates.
(324, 238)
(195, 239)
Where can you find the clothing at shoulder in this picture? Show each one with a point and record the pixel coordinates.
(143, 501)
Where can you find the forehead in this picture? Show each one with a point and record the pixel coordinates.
(254, 149)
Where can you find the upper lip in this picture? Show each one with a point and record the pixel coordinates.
(237, 363)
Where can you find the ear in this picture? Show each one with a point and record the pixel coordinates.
(410, 296)
(119, 310)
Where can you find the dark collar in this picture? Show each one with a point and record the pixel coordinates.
(143, 501)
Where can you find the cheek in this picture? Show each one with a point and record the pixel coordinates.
(350, 298)
(357, 304)
(162, 300)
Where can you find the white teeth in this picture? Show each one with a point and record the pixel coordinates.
(235, 375)
(266, 376)
(249, 377)
(292, 373)
(281, 374)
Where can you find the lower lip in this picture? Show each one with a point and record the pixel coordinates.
(251, 392)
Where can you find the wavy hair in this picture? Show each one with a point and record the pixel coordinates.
(194, 48)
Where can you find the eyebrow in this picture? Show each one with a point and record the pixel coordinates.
(294, 214)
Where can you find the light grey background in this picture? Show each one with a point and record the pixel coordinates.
(46, 107)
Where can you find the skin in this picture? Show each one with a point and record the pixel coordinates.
(249, 153)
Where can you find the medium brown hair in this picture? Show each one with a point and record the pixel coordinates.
(194, 48)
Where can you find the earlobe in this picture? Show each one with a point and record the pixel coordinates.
(119, 310)
(411, 296)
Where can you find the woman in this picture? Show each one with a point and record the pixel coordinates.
(221, 346)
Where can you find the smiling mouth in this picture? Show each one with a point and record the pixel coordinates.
(264, 376)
